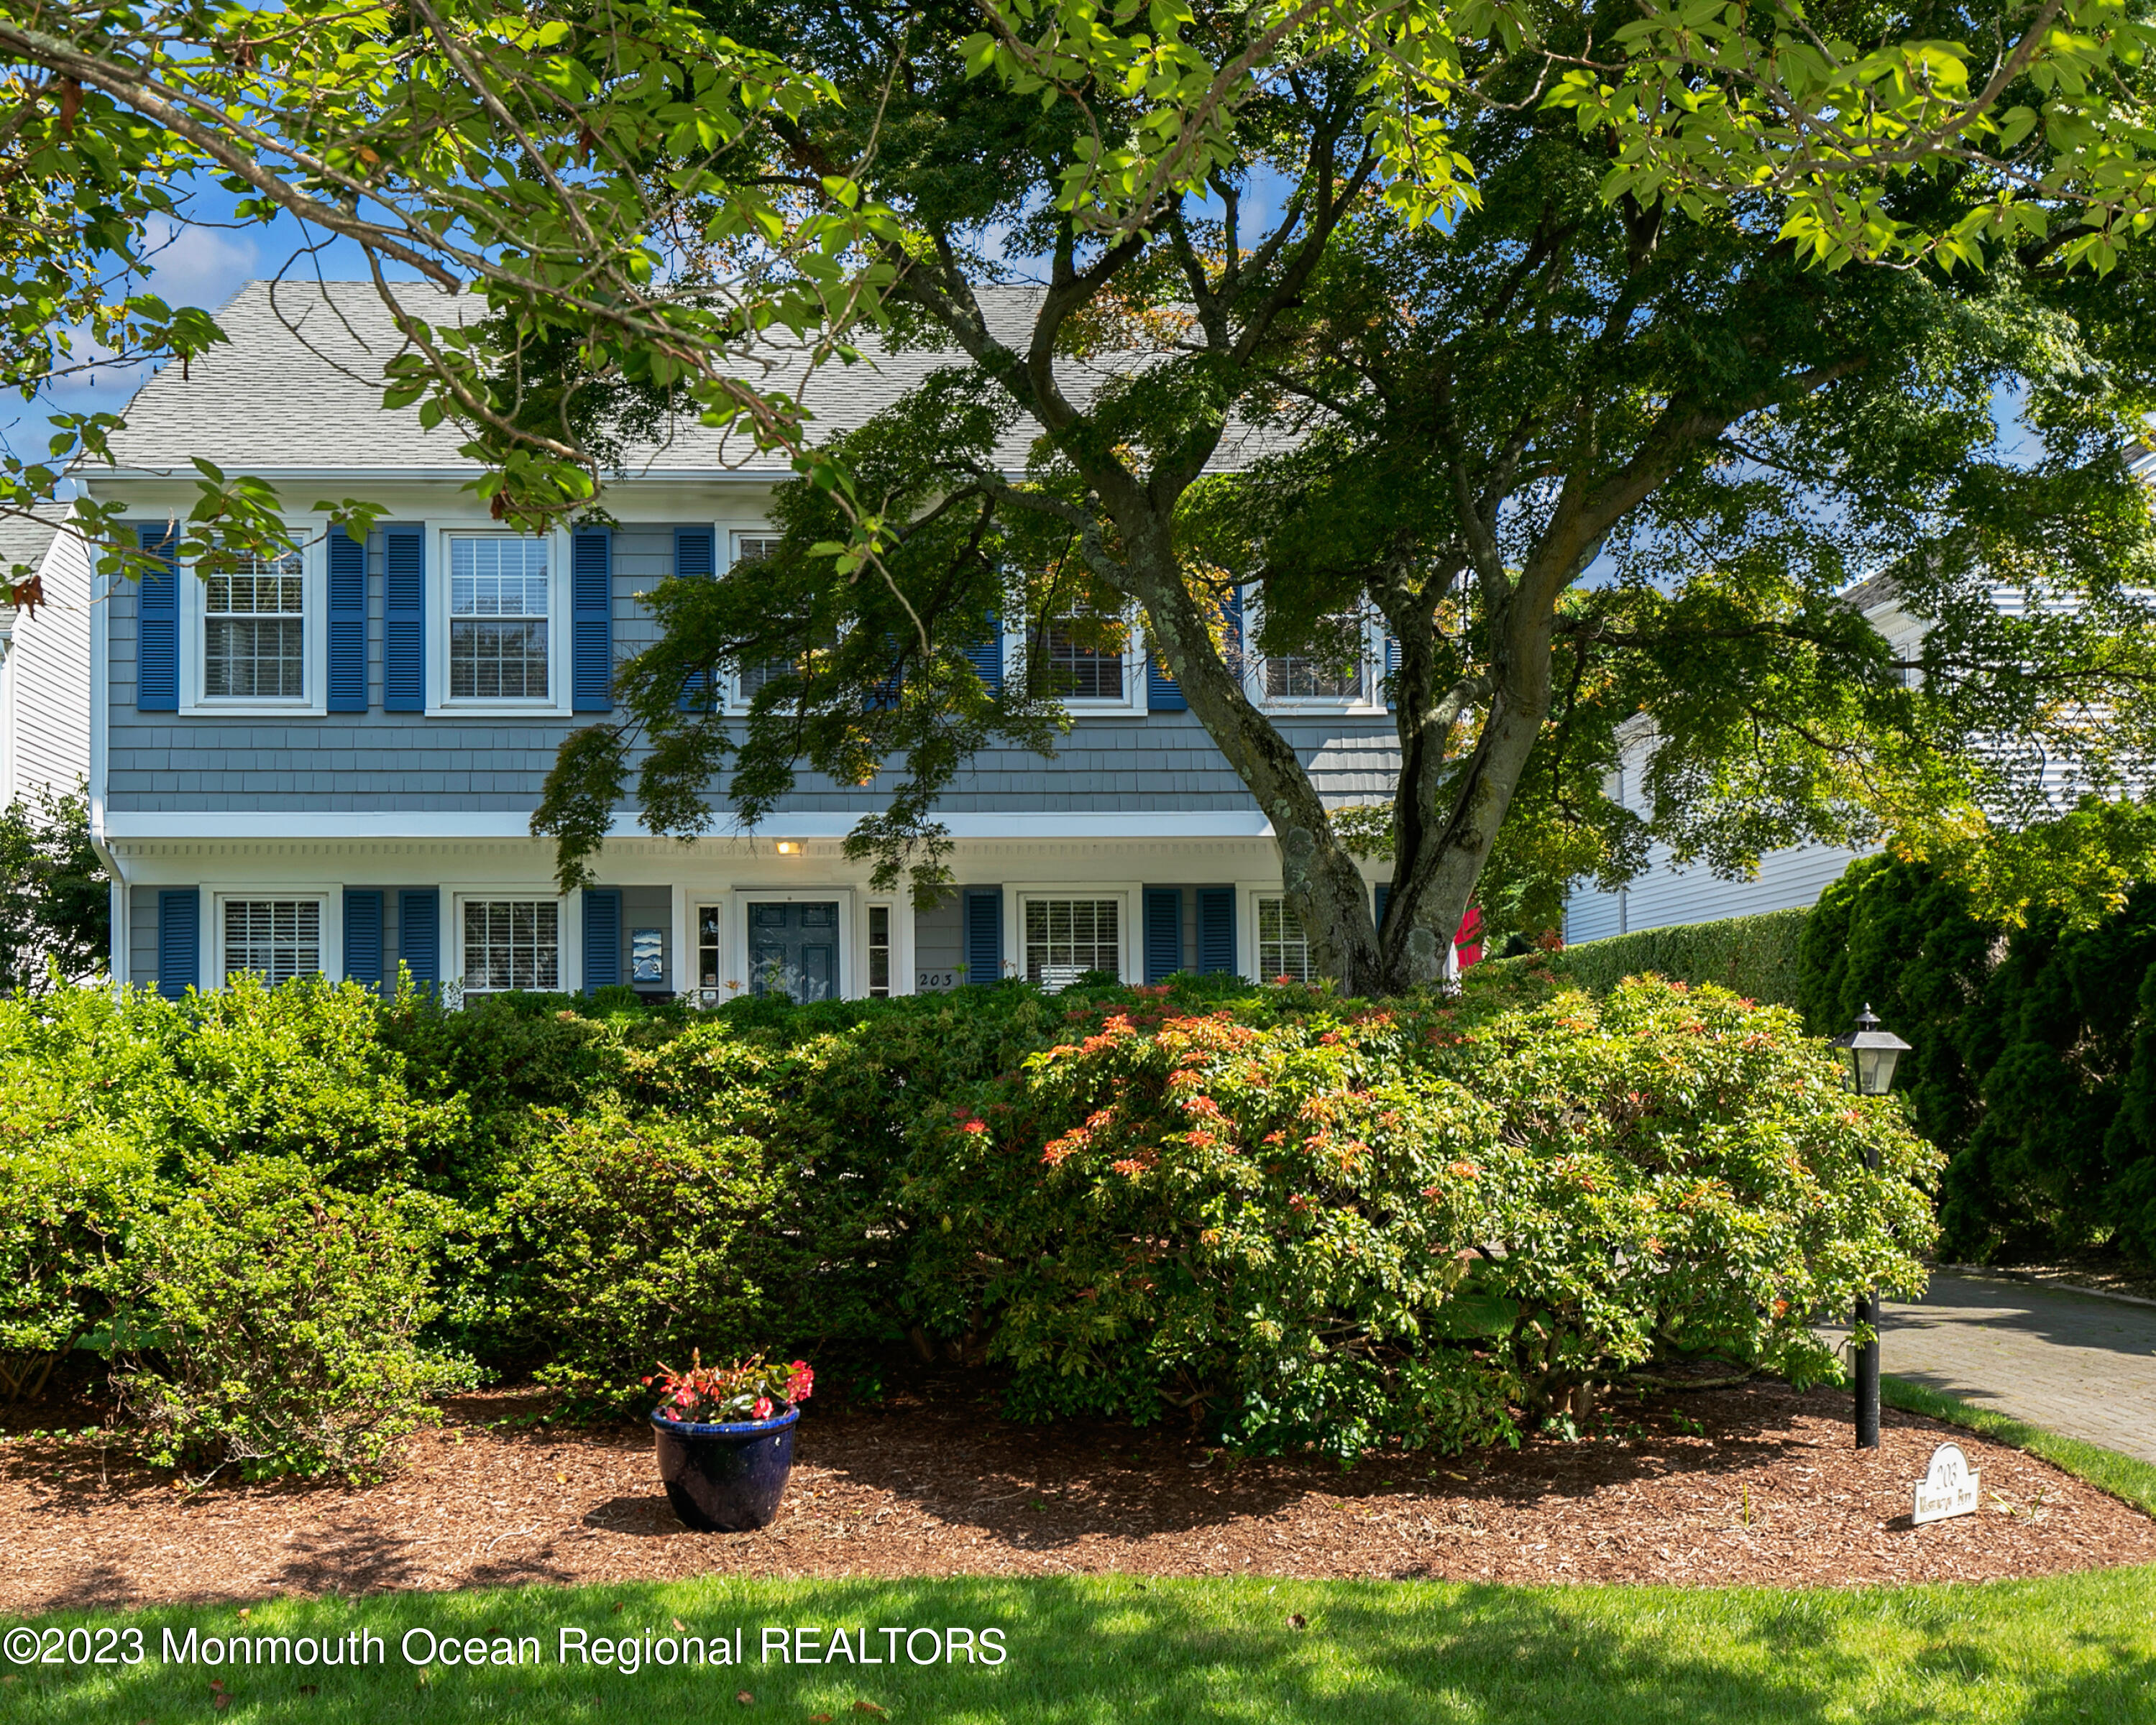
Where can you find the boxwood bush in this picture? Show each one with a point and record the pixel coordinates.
(1296, 1220)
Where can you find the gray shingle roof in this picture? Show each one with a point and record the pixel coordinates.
(23, 541)
(297, 386)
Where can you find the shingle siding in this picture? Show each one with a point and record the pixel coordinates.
(383, 762)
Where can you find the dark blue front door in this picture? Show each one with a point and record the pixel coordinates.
(794, 949)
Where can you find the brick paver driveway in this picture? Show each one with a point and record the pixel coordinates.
(2065, 1361)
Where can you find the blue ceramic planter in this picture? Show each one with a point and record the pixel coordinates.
(726, 1479)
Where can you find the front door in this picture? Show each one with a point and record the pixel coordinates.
(794, 949)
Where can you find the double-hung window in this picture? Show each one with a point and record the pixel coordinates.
(754, 548)
(1065, 937)
(1081, 657)
(276, 938)
(500, 592)
(1323, 673)
(254, 628)
(1283, 947)
(511, 943)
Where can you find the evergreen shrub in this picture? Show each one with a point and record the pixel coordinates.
(1297, 1219)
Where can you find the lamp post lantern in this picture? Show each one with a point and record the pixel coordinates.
(1872, 1053)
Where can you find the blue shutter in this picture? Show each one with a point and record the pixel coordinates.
(1231, 610)
(602, 937)
(1383, 894)
(419, 934)
(363, 938)
(347, 623)
(591, 620)
(696, 558)
(179, 940)
(984, 934)
(1392, 663)
(1163, 932)
(404, 619)
(1164, 694)
(157, 627)
(988, 656)
(1216, 929)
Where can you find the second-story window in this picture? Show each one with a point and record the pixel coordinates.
(1321, 675)
(255, 631)
(499, 593)
(1080, 657)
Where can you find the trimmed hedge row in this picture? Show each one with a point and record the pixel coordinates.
(1754, 956)
(287, 1216)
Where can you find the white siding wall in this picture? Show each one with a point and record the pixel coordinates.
(45, 703)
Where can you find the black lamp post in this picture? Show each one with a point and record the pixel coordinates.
(1872, 1053)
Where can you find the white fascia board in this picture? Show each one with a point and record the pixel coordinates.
(451, 823)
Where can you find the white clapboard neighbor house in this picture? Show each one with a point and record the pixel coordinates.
(330, 765)
(1789, 878)
(44, 663)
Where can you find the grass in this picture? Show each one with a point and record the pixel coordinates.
(1116, 1648)
(2056, 1651)
(2125, 1477)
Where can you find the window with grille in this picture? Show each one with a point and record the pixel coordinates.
(276, 938)
(1283, 948)
(879, 950)
(752, 548)
(1078, 669)
(499, 595)
(1065, 937)
(1294, 676)
(1327, 673)
(254, 630)
(708, 953)
(511, 943)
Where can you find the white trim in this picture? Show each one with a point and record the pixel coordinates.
(215, 896)
(1371, 705)
(1017, 893)
(313, 699)
(569, 932)
(455, 823)
(439, 705)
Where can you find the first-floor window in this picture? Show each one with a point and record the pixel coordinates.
(1283, 948)
(499, 589)
(276, 938)
(879, 950)
(253, 629)
(707, 953)
(512, 943)
(1065, 937)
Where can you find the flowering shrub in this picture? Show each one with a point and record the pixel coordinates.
(1335, 1225)
(753, 1388)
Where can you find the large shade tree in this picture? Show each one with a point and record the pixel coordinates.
(1713, 301)
(1584, 455)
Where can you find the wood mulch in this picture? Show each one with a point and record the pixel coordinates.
(1755, 1484)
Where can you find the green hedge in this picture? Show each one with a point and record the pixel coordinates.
(2034, 1053)
(1302, 1221)
(1754, 956)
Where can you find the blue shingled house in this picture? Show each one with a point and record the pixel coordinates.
(328, 765)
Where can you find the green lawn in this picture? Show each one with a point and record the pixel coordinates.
(2058, 1652)
(2077, 1648)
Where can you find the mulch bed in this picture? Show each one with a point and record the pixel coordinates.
(1754, 1484)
